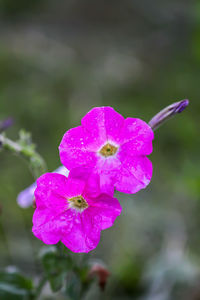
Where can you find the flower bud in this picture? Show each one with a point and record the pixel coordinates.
(167, 113)
(102, 274)
(6, 124)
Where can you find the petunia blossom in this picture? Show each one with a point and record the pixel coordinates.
(113, 147)
(67, 212)
(26, 197)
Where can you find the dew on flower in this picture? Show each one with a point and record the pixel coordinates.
(66, 211)
(114, 148)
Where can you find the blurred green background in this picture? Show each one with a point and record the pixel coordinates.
(58, 59)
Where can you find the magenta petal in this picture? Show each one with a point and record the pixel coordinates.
(135, 174)
(104, 210)
(135, 148)
(136, 137)
(46, 226)
(113, 123)
(73, 158)
(104, 122)
(51, 191)
(74, 187)
(95, 183)
(91, 179)
(107, 170)
(50, 226)
(94, 122)
(78, 148)
(108, 165)
(80, 138)
(84, 236)
(107, 183)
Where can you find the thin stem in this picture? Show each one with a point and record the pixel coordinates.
(37, 163)
(60, 248)
(40, 286)
(9, 144)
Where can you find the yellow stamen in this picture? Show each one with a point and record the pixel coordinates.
(108, 150)
(78, 202)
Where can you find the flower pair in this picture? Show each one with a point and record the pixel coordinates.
(105, 153)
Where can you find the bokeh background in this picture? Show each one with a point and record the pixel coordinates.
(58, 59)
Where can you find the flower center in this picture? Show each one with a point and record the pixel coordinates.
(78, 202)
(108, 150)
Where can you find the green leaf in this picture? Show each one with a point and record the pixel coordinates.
(73, 287)
(56, 267)
(14, 286)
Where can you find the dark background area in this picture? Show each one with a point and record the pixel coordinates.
(58, 59)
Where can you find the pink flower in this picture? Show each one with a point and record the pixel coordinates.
(111, 146)
(67, 212)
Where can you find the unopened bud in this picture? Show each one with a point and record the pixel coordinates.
(102, 274)
(6, 124)
(167, 113)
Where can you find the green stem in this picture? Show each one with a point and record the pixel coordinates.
(37, 163)
(40, 287)
(60, 248)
